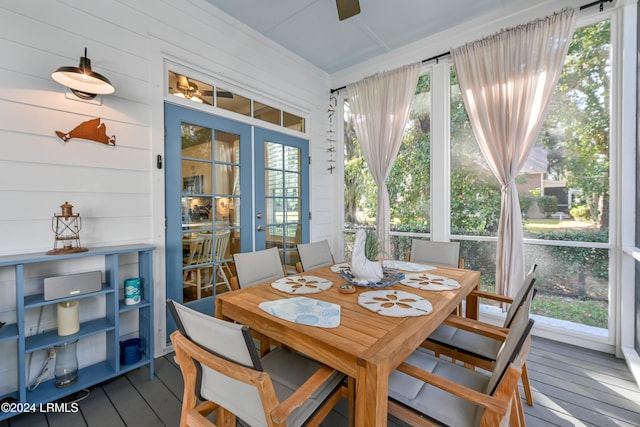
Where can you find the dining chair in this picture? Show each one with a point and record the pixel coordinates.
(426, 390)
(439, 253)
(253, 268)
(257, 267)
(314, 255)
(478, 343)
(200, 254)
(221, 369)
(222, 245)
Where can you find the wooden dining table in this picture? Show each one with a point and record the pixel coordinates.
(366, 346)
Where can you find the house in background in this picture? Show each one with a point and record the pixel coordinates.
(122, 190)
(534, 182)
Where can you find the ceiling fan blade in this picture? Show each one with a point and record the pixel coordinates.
(347, 8)
(219, 93)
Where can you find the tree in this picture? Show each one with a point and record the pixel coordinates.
(578, 121)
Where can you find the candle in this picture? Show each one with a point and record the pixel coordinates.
(68, 318)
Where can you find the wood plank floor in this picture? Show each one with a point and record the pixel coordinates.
(571, 386)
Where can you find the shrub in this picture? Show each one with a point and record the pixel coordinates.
(581, 212)
(548, 204)
(525, 204)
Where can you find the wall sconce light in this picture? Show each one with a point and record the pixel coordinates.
(83, 82)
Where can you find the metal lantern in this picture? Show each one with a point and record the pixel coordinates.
(66, 227)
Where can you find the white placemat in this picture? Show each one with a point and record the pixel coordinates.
(304, 310)
(340, 266)
(430, 282)
(302, 284)
(407, 266)
(395, 303)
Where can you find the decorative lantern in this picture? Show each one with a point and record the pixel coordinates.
(66, 369)
(66, 227)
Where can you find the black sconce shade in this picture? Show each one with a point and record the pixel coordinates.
(82, 81)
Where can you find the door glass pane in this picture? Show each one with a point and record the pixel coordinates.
(227, 147)
(273, 155)
(196, 177)
(275, 237)
(292, 158)
(196, 141)
(283, 203)
(210, 207)
(293, 210)
(292, 184)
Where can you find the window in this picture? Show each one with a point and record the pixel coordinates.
(183, 86)
(409, 182)
(564, 188)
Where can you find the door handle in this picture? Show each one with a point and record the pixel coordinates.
(259, 215)
(260, 228)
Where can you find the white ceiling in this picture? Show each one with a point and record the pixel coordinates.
(311, 29)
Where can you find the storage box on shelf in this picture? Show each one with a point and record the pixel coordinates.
(109, 324)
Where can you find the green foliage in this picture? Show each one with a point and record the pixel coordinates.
(475, 202)
(371, 245)
(575, 136)
(548, 204)
(585, 312)
(581, 212)
(577, 259)
(525, 203)
(576, 132)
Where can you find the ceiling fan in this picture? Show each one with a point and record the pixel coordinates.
(347, 8)
(190, 90)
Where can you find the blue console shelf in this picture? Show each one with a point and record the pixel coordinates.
(109, 325)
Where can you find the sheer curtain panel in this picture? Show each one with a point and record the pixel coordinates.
(380, 105)
(506, 82)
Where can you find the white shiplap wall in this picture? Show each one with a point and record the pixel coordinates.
(117, 190)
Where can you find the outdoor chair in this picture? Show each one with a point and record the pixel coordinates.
(439, 253)
(314, 255)
(223, 372)
(223, 272)
(478, 343)
(253, 268)
(429, 391)
(256, 267)
(201, 255)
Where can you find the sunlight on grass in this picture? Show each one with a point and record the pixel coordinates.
(534, 225)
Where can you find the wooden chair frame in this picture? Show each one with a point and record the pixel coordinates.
(276, 413)
(505, 402)
(482, 328)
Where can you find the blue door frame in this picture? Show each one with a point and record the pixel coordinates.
(175, 116)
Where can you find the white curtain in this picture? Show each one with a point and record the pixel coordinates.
(506, 81)
(380, 105)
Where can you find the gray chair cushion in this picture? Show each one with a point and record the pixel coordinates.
(434, 402)
(288, 371)
(480, 345)
(469, 342)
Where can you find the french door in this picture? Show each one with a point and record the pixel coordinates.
(229, 187)
(281, 193)
(206, 201)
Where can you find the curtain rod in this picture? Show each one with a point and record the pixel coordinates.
(442, 55)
